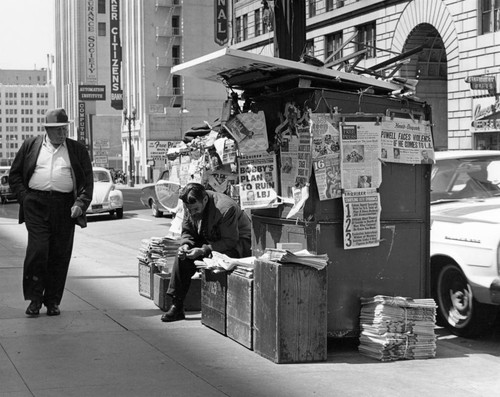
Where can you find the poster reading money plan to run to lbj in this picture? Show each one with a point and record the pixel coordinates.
(257, 175)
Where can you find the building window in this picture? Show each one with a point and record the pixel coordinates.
(245, 26)
(101, 29)
(310, 47)
(366, 39)
(490, 16)
(238, 29)
(176, 25)
(101, 7)
(332, 43)
(257, 23)
(176, 55)
(333, 4)
(176, 85)
(312, 8)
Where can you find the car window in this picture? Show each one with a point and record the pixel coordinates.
(465, 178)
(101, 176)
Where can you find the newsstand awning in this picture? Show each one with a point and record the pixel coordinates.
(244, 70)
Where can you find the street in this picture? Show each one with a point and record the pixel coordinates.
(102, 289)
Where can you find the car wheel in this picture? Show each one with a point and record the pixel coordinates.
(119, 213)
(155, 211)
(458, 310)
(4, 200)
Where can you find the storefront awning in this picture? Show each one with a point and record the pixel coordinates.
(242, 70)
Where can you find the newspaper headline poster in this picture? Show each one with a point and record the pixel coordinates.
(326, 156)
(257, 175)
(406, 141)
(361, 218)
(295, 155)
(360, 146)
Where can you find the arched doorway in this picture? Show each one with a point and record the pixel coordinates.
(430, 68)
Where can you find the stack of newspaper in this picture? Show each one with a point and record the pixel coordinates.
(158, 251)
(223, 263)
(395, 328)
(302, 257)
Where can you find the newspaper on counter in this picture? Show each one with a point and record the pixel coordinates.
(326, 156)
(406, 141)
(360, 146)
(361, 218)
(302, 257)
(257, 176)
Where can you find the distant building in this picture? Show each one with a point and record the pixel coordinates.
(24, 99)
(458, 68)
(114, 56)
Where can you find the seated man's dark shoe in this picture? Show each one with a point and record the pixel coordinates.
(175, 313)
(53, 309)
(34, 308)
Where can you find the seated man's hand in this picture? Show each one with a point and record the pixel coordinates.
(195, 253)
(182, 251)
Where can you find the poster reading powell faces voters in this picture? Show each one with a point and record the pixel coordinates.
(360, 146)
(361, 218)
(326, 156)
(257, 174)
(406, 141)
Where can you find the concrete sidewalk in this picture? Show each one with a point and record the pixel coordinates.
(109, 341)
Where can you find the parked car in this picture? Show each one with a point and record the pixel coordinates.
(465, 239)
(149, 198)
(106, 197)
(6, 194)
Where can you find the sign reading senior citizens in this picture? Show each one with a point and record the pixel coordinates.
(257, 175)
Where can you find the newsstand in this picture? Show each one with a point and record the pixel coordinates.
(396, 262)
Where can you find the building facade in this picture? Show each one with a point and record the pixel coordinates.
(456, 58)
(25, 97)
(113, 60)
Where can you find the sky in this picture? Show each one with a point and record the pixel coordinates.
(26, 33)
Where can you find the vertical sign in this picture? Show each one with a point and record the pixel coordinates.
(81, 122)
(116, 56)
(221, 36)
(91, 42)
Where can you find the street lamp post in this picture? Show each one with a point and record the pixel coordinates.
(130, 119)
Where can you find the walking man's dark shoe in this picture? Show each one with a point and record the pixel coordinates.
(175, 313)
(34, 308)
(53, 309)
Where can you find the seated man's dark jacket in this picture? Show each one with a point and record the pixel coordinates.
(24, 165)
(225, 227)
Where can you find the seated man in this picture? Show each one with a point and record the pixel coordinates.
(212, 222)
(478, 185)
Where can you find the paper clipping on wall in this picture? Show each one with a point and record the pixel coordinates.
(406, 141)
(326, 156)
(295, 157)
(361, 218)
(257, 175)
(360, 146)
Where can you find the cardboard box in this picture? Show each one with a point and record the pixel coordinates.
(239, 309)
(213, 300)
(192, 302)
(290, 312)
(146, 282)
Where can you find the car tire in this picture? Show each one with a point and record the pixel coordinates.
(155, 211)
(458, 310)
(119, 213)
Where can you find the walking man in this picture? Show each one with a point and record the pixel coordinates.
(52, 179)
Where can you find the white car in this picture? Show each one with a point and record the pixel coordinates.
(465, 239)
(106, 197)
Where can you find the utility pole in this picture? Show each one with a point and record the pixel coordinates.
(289, 29)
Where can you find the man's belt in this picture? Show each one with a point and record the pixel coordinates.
(53, 193)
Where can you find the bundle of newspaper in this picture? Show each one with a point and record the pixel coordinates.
(302, 257)
(159, 251)
(223, 263)
(395, 328)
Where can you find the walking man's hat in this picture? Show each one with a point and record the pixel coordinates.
(56, 118)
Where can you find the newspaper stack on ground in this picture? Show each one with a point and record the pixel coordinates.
(396, 328)
(302, 257)
(158, 251)
(223, 263)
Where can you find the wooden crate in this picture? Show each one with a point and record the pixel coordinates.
(290, 312)
(213, 300)
(239, 309)
(146, 281)
(192, 302)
